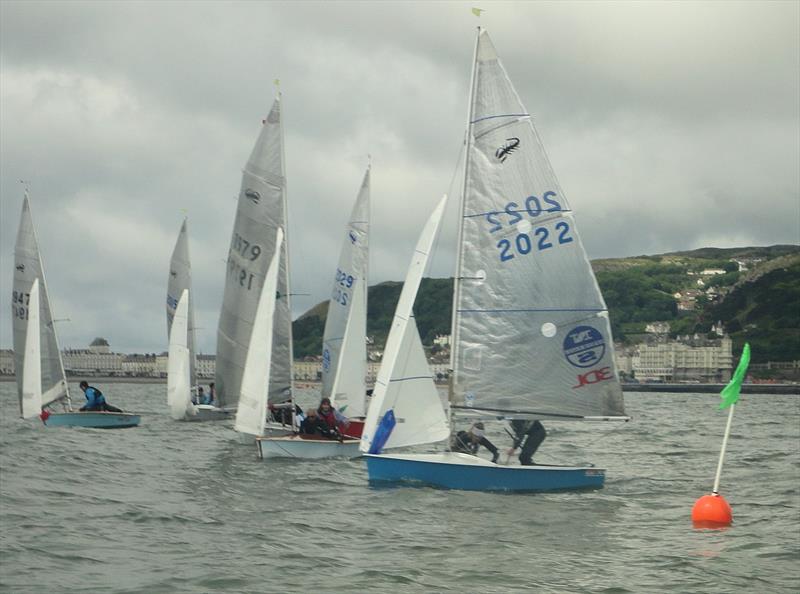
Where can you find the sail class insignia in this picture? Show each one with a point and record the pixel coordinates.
(509, 147)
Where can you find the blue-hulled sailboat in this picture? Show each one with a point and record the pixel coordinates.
(41, 382)
(530, 335)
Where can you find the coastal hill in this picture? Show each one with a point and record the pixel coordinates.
(753, 291)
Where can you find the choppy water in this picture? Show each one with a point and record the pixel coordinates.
(177, 507)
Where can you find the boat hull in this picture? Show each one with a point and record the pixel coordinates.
(93, 419)
(452, 470)
(207, 412)
(296, 446)
(355, 428)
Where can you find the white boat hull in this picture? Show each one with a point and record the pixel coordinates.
(207, 412)
(295, 446)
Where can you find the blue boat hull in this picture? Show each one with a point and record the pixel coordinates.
(95, 420)
(451, 470)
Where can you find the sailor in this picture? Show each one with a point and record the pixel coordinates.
(314, 425)
(468, 442)
(529, 435)
(212, 393)
(95, 401)
(335, 420)
(202, 398)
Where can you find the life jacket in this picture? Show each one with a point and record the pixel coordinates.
(96, 398)
(329, 418)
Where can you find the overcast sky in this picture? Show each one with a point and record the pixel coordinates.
(671, 126)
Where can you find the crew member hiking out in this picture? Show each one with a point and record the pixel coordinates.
(529, 435)
(95, 401)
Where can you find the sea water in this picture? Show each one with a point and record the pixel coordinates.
(185, 507)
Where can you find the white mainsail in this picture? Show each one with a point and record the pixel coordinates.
(28, 269)
(251, 411)
(405, 383)
(32, 363)
(180, 279)
(179, 383)
(261, 211)
(531, 333)
(344, 346)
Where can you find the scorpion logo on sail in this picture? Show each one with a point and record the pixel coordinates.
(254, 196)
(509, 147)
(20, 267)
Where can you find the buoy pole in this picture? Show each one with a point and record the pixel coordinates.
(715, 490)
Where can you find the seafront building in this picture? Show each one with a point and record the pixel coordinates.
(689, 359)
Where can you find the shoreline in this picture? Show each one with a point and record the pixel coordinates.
(676, 388)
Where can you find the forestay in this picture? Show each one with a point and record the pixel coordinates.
(252, 406)
(180, 279)
(405, 384)
(261, 211)
(344, 346)
(27, 269)
(531, 330)
(179, 395)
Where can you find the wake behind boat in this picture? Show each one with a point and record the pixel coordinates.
(41, 381)
(530, 333)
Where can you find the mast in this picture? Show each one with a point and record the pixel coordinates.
(459, 246)
(286, 248)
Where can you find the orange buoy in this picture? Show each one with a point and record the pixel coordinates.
(711, 511)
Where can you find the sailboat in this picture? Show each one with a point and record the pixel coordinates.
(344, 347)
(530, 334)
(261, 211)
(181, 366)
(344, 341)
(41, 381)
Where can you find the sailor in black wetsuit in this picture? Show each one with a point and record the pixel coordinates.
(529, 435)
(468, 442)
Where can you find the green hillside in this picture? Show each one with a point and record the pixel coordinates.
(432, 309)
(761, 304)
(765, 313)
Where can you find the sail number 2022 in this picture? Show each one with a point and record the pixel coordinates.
(538, 238)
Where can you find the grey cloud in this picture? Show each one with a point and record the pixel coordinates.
(670, 125)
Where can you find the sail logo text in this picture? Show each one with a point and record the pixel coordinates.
(594, 376)
(509, 147)
(584, 346)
